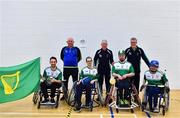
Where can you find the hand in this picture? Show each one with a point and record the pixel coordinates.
(124, 76)
(142, 87)
(120, 78)
(41, 80)
(92, 81)
(53, 80)
(78, 82)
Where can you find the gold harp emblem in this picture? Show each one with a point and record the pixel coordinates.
(10, 82)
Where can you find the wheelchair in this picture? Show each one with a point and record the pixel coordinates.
(38, 96)
(96, 93)
(163, 100)
(112, 99)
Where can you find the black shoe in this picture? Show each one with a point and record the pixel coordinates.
(52, 100)
(151, 110)
(88, 105)
(63, 98)
(77, 109)
(45, 100)
(97, 99)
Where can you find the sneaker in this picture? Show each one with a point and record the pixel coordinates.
(52, 100)
(78, 110)
(126, 101)
(121, 102)
(45, 100)
(156, 110)
(62, 98)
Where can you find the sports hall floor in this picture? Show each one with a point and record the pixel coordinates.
(26, 109)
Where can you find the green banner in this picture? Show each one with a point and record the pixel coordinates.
(19, 81)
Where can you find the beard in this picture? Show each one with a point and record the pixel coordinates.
(122, 60)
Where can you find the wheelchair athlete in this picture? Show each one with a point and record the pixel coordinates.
(88, 76)
(154, 78)
(52, 80)
(122, 71)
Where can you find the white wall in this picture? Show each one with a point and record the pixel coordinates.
(40, 27)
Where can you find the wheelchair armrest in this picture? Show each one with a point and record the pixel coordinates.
(95, 80)
(166, 89)
(63, 80)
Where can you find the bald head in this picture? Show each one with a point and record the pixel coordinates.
(70, 42)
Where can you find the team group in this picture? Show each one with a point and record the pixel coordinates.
(99, 68)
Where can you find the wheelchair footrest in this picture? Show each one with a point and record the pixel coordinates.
(114, 105)
(48, 103)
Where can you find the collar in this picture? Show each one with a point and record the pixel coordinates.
(134, 48)
(123, 62)
(53, 69)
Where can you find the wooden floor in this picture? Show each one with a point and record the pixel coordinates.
(25, 108)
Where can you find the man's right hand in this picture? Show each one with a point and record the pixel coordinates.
(78, 82)
(142, 87)
(120, 77)
(53, 80)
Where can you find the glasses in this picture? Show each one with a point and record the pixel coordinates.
(133, 41)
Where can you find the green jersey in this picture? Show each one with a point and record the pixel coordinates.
(87, 72)
(56, 74)
(157, 78)
(122, 68)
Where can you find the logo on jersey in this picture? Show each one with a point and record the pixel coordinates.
(129, 53)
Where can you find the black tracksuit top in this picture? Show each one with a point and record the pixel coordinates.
(134, 57)
(103, 58)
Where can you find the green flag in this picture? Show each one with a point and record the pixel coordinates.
(19, 81)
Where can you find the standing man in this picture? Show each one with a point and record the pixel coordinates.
(134, 55)
(70, 55)
(103, 58)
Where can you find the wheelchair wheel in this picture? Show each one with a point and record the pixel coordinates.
(100, 96)
(38, 105)
(40, 100)
(117, 110)
(167, 97)
(57, 104)
(132, 111)
(143, 106)
(108, 99)
(71, 97)
(65, 92)
(163, 111)
(136, 95)
(35, 97)
(57, 99)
